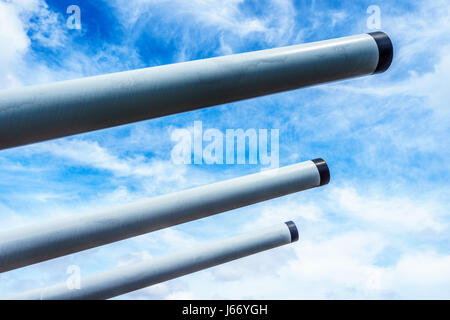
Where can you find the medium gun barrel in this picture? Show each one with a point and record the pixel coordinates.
(37, 113)
(126, 279)
(29, 245)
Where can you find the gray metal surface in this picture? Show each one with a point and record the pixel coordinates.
(33, 244)
(38, 113)
(125, 279)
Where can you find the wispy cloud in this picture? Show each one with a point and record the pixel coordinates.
(221, 27)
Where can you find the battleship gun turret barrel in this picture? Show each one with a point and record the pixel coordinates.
(126, 279)
(29, 245)
(42, 112)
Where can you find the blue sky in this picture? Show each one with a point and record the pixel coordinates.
(380, 229)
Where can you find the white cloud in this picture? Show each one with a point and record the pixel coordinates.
(420, 275)
(14, 43)
(181, 295)
(91, 154)
(392, 214)
(420, 31)
(225, 21)
(43, 25)
(28, 24)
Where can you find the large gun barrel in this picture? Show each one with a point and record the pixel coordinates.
(60, 237)
(43, 112)
(126, 279)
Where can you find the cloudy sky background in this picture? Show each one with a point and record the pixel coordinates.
(380, 229)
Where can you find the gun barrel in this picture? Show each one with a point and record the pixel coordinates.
(126, 279)
(37, 113)
(60, 237)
